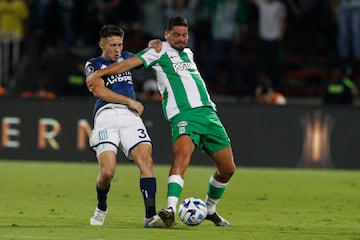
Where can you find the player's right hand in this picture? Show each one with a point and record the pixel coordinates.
(156, 44)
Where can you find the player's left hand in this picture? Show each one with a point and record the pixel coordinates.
(136, 106)
(156, 44)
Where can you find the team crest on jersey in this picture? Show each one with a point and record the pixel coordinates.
(182, 130)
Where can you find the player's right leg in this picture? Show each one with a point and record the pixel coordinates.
(183, 148)
(98, 217)
(104, 141)
(107, 165)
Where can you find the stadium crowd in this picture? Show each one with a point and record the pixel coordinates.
(43, 43)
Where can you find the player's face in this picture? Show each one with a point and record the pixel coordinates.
(177, 37)
(111, 47)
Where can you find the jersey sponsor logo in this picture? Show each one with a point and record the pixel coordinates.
(182, 124)
(183, 66)
(122, 77)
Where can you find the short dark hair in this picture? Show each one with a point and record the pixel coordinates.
(176, 21)
(111, 30)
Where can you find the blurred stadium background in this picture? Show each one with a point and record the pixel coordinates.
(46, 108)
(44, 44)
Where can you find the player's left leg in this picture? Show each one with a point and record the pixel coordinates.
(217, 145)
(142, 155)
(225, 165)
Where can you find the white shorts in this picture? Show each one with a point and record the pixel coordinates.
(115, 126)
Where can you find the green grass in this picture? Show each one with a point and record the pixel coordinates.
(54, 201)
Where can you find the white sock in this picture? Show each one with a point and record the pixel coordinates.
(210, 205)
(173, 200)
(210, 202)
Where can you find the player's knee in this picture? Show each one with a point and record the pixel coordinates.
(226, 173)
(107, 174)
(231, 169)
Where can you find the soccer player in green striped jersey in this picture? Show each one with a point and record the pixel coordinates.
(191, 112)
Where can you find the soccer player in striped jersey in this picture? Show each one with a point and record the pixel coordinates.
(117, 124)
(192, 114)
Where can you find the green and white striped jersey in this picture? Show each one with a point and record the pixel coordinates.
(179, 80)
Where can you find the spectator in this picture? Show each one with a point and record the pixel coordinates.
(97, 14)
(66, 10)
(227, 19)
(62, 74)
(127, 15)
(265, 94)
(2, 91)
(201, 26)
(272, 25)
(105, 10)
(340, 90)
(153, 19)
(52, 15)
(348, 18)
(306, 16)
(13, 14)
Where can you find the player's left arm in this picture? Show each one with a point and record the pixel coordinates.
(100, 91)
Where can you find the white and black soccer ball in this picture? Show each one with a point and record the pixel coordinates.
(192, 211)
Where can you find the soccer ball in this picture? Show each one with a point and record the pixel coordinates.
(192, 211)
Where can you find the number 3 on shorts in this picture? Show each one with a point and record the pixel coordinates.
(142, 133)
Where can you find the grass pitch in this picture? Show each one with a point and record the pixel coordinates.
(42, 200)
